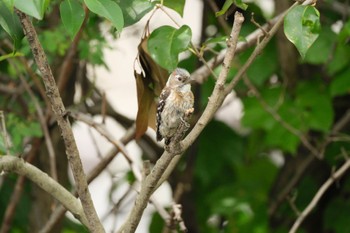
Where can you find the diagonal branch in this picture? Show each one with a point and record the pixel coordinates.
(9, 163)
(202, 72)
(337, 175)
(59, 111)
(279, 119)
(152, 180)
(59, 211)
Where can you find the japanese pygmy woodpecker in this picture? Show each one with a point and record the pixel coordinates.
(175, 100)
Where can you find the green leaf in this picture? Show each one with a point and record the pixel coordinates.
(166, 43)
(72, 15)
(134, 10)
(107, 9)
(9, 4)
(157, 223)
(176, 5)
(10, 23)
(341, 84)
(344, 34)
(302, 27)
(227, 5)
(315, 106)
(275, 135)
(255, 116)
(230, 153)
(320, 51)
(264, 66)
(336, 213)
(20, 128)
(278, 136)
(35, 8)
(340, 59)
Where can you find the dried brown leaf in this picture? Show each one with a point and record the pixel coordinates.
(149, 84)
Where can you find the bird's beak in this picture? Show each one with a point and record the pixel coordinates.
(190, 80)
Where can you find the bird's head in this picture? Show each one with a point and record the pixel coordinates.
(179, 78)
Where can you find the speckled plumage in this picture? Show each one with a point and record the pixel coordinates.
(175, 99)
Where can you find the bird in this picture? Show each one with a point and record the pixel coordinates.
(175, 101)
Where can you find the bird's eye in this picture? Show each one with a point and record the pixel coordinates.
(179, 78)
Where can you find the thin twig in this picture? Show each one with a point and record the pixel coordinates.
(203, 72)
(116, 206)
(258, 25)
(17, 192)
(59, 111)
(31, 73)
(305, 164)
(221, 19)
(339, 173)
(194, 48)
(258, 49)
(291, 201)
(42, 121)
(11, 207)
(279, 119)
(100, 128)
(7, 142)
(43, 124)
(134, 168)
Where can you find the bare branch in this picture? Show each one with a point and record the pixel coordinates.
(202, 71)
(339, 173)
(258, 49)
(42, 121)
(11, 207)
(305, 164)
(100, 128)
(17, 165)
(59, 111)
(3, 130)
(152, 180)
(221, 19)
(59, 211)
(16, 195)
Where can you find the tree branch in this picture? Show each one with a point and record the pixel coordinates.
(203, 72)
(151, 182)
(59, 111)
(59, 211)
(339, 173)
(9, 163)
(279, 119)
(198, 75)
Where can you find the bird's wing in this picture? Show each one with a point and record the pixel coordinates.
(162, 101)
